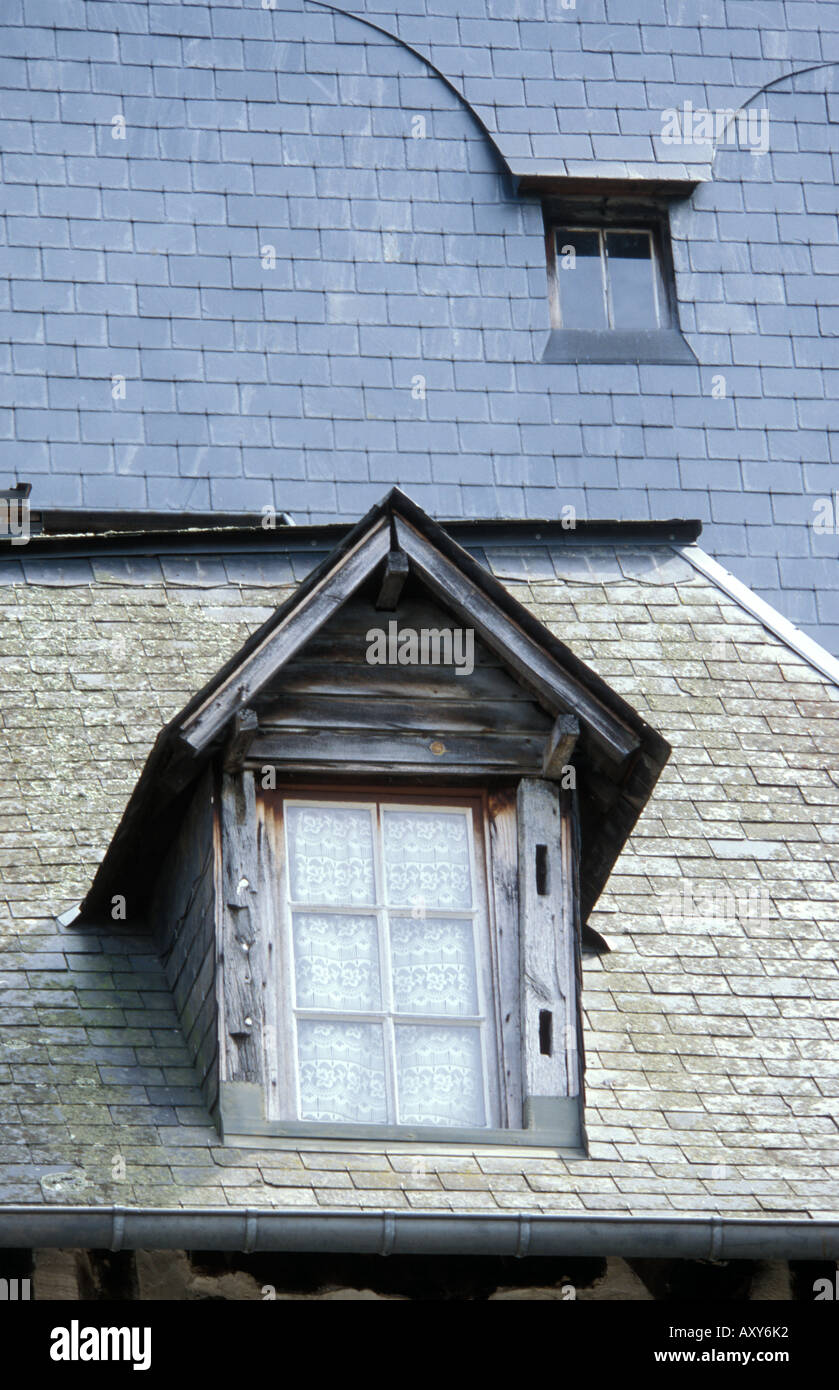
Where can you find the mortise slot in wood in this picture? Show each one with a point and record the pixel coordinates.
(546, 1029)
(542, 885)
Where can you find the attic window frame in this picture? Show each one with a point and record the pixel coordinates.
(664, 344)
(554, 1120)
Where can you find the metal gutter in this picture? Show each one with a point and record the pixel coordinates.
(415, 1233)
(771, 619)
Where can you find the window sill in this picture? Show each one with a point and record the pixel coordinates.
(666, 346)
(553, 1124)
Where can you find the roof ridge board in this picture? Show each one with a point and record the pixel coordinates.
(251, 531)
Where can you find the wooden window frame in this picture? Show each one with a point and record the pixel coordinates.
(522, 830)
(662, 300)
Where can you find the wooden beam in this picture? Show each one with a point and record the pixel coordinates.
(504, 907)
(354, 750)
(242, 1014)
(393, 581)
(534, 667)
(570, 943)
(560, 744)
(284, 640)
(245, 725)
(548, 994)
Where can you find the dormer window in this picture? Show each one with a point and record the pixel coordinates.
(369, 879)
(611, 285)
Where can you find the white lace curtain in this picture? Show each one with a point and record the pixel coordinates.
(392, 953)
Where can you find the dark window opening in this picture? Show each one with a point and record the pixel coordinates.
(611, 285)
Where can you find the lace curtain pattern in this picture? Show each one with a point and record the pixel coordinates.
(427, 859)
(440, 1076)
(433, 966)
(392, 966)
(342, 1072)
(336, 962)
(331, 855)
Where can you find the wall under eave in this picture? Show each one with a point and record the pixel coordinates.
(182, 916)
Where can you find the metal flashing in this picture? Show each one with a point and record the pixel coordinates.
(771, 619)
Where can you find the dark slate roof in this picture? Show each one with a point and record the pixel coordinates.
(711, 1042)
(289, 382)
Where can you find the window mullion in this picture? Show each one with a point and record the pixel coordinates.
(607, 289)
(657, 287)
(385, 971)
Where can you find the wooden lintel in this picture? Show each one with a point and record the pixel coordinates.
(393, 581)
(560, 744)
(245, 726)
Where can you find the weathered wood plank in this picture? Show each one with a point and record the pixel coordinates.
(280, 1061)
(240, 928)
(351, 648)
(329, 677)
(406, 715)
(571, 971)
(415, 610)
(353, 748)
(534, 666)
(546, 997)
(504, 904)
(278, 645)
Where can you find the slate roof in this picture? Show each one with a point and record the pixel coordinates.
(712, 1044)
(290, 382)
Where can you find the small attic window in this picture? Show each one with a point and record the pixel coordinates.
(610, 285)
(607, 278)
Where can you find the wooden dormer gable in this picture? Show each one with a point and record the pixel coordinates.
(314, 693)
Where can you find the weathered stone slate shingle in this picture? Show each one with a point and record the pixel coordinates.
(711, 1028)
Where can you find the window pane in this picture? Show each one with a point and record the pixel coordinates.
(336, 962)
(330, 850)
(580, 279)
(433, 966)
(439, 1075)
(630, 264)
(342, 1072)
(427, 859)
